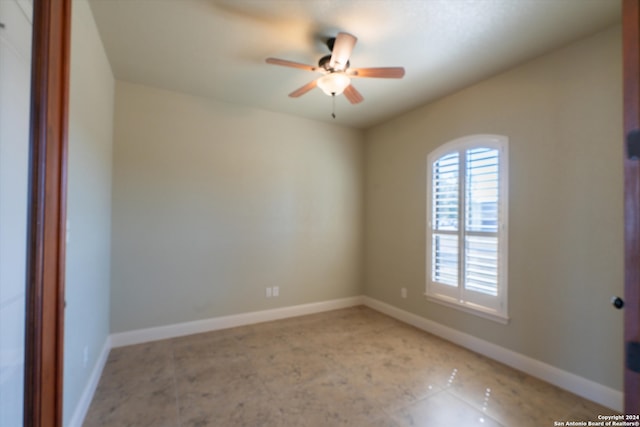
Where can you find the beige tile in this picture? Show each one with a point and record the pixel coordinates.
(222, 391)
(392, 384)
(208, 346)
(331, 401)
(145, 405)
(351, 367)
(147, 357)
(213, 379)
(292, 368)
(260, 341)
(136, 367)
(443, 410)
(248, 406)
(512, 397)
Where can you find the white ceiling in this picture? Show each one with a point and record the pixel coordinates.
(217, 48)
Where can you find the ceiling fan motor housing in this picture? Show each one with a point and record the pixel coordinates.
(324, 63)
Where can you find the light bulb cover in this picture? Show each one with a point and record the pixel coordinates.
(334, 83)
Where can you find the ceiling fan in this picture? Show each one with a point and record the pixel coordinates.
(337, 74)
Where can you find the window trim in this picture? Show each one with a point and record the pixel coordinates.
(496, 308)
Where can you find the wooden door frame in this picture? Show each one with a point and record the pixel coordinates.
(631, 70)
(44, 338)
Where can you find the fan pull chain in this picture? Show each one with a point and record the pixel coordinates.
(333, 107)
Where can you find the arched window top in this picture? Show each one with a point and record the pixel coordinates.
(479, 140)
(467, 225)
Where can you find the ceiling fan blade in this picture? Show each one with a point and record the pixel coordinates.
(304, 89)
(379, 72)
(341, 52)
(285, 63)
(353, 95)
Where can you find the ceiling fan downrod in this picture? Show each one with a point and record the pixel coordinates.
(333, 108)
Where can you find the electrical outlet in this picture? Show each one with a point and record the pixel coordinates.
(268, 292)
(403, 292)
(85, 356)
(276, 291)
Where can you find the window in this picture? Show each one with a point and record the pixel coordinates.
(467, 225)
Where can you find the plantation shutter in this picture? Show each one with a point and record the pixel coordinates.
(467, 210)
(482, 219)
(445, 223)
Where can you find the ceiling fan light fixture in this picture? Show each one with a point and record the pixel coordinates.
(334, 83)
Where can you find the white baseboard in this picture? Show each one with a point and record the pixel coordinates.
(188, 328)
(588, 389)
(87, 395)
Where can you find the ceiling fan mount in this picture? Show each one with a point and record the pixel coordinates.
(325, 60)
(330, 42)
(337, 71)
(324, 63)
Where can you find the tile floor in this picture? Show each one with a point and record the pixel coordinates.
(351, 367)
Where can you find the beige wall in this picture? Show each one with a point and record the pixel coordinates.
(562, 114)
(88, 263)
(212, 203)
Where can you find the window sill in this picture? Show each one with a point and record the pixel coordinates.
(469, 308)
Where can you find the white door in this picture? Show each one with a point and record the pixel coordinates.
(15, 84)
